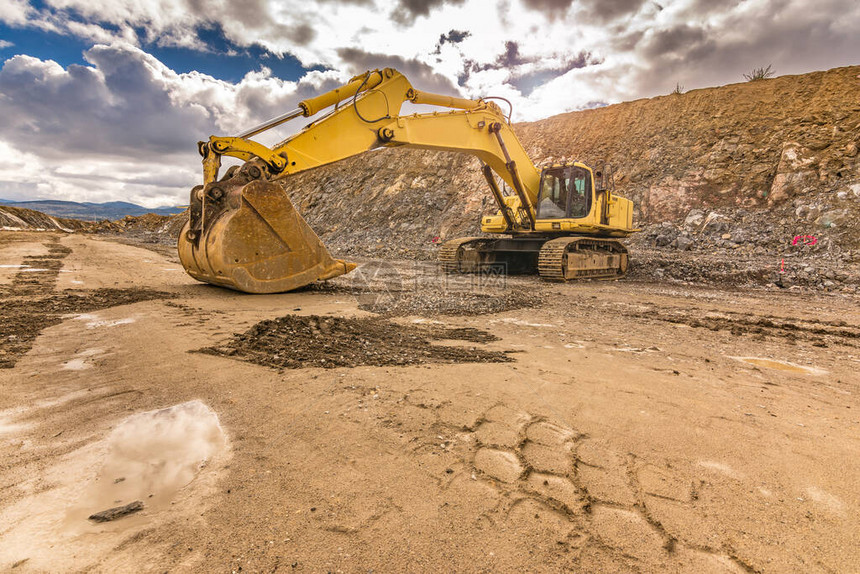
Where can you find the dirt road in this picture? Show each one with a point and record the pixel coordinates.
(420, 424)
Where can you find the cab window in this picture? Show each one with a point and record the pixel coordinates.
(552, 202)
(564, 192)
(580, 195)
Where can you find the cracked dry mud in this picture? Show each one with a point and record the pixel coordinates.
(638, 427)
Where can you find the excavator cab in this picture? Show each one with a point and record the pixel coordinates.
(565, 193)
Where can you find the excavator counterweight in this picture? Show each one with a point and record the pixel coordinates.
(244, 232)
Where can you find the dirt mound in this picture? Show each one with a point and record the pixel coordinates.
(17, 218)
(160, 227)
(296, 342)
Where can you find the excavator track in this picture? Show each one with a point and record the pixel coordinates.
(569, 258)
(450, 254)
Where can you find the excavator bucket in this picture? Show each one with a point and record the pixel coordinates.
(244, 233)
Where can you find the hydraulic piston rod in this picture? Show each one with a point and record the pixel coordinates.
(283, 118)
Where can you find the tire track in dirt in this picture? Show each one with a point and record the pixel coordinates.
(590, 501)
(30, 304)
(821, 333)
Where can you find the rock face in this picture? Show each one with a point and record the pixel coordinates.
(784, 150)
(750, 145)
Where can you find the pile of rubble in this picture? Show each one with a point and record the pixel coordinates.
(812, 241)
(149, 228)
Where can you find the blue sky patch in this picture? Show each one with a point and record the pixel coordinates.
(62, 49)
(226, 60)
(223, 59)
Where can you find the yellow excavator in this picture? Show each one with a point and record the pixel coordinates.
(244, 233)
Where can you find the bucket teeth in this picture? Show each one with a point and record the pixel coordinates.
(247, 235)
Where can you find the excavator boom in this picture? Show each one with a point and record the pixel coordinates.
(243, 231)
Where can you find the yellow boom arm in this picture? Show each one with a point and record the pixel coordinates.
(367, 116)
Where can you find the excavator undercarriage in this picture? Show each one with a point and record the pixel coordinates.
(554, 259)
(244, 232)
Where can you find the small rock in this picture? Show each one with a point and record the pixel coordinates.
(694, 218)
(117, 512)
(684, 243)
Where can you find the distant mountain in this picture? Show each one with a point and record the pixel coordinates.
(90, 211)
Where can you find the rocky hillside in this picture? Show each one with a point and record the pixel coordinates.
(743, 166)
(88, 211)
(16, 218)
(149, 228)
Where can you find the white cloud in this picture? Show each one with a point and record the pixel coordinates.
(125, 127)
(5, 44)
(15, 12)
(132, 120)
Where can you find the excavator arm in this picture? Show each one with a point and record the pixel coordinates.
(370, 119)
(243, 231)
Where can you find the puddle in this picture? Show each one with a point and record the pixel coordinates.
(7, 427)
(830, 502)
(152, 455)
(156, 457)
(780, 365)
(423, 321)
(722, 469)
(80, 361)
(521, 323)
(633, 349)
(76, 365)
(95, 322)
(13, 266)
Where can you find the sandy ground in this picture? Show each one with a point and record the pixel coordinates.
(616, 426)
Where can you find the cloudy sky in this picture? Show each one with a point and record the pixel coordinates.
(103, 100)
